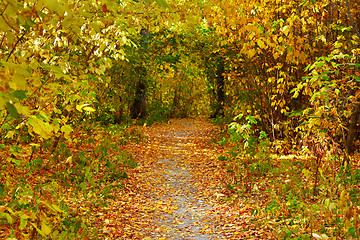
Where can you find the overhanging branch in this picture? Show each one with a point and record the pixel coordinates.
(351, 19)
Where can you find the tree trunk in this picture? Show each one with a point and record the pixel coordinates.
(119, 109)
(352, 133)
(220, 90)
(138, 108)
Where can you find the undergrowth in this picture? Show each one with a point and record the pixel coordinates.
(307, 195)
(55, 189)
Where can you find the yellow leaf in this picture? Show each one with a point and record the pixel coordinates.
(10, 37)
(43, 129)
(347, 224)
(10, 10)
(57, 208)
(34, 144)
(251, 35)
(96, 26)
(260, 43)
(66, 129)
(88, 109)
(306, 172)
(162, 3)
(19, 77)
(24, 110)
(52, 4)
(251, 53)
(4, 27)
(45, 229)
(321, 37)
(285, 30)
(79, 108)
(84, 107)
(69, 160)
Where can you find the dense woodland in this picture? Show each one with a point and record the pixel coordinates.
(80, 79)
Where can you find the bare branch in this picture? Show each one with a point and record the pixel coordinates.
(13, 49)
(351, 19)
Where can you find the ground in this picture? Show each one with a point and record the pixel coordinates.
(176, 190)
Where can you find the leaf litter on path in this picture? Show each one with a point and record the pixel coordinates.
(174, 192)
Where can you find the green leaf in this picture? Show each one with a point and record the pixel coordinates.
(162, 3)
(13, 160)
(63, 235)
(12, 110)
(5, 126)
(83, 186)
(26, 26)
(238, 116)
(84, 92)
(52, 4)
(251, 119)
(352, 231)
(20, 94)
(37, 229)
(56, 208)
(23, 223)
(92, 77)
(2, 190)
(44, 117)
(66, 129)
(54, 234)
(7, 216)
(45, 229)
(262, 135)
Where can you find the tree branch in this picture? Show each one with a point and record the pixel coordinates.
(351, 19)
(13, 49)
(2, 39)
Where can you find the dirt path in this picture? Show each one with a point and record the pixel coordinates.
(190, 211)
(177, 188)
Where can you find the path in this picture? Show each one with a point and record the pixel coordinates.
(177, 188)
(190, 212)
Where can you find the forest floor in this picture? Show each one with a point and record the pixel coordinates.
(175, 192)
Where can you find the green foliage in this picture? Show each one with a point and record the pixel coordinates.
(332, 87)
(158, 113)
(255, 145)
(249, 157)
(34, 210)
(290, 74)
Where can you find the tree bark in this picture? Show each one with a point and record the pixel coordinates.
(352, 133)
(220, 89)
(138, 108)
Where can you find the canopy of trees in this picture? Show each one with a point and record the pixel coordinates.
(287, 71)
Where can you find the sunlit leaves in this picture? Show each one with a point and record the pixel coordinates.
(162, 3)
(84, 107)
(66, 129)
